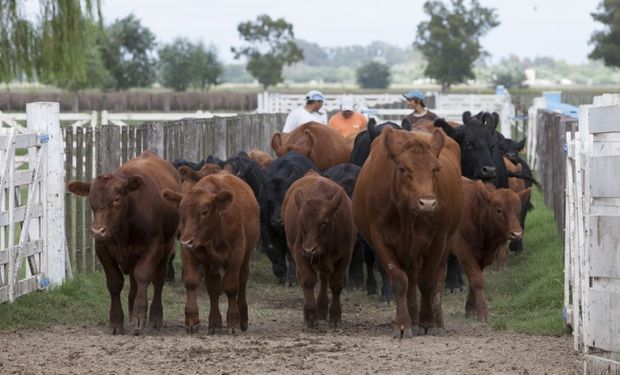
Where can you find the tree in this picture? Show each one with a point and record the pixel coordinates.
(175, 62)
(450, 39)
(206, 67)
(510, 72)
(373, 75)
(128, 53)
(270, 46)
(607, 42)
(52, 46)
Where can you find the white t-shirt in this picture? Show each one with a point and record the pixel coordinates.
(300, 116)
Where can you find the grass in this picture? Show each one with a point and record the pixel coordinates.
(527, 297)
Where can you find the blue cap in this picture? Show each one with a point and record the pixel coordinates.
(315, 95)
(414, 94)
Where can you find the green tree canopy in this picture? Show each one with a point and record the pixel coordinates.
(450, 39)
(607, 42)
(206, 67)
(51, 44)
(373, 75)
(128, 49)
(270, 45)
(183, 64)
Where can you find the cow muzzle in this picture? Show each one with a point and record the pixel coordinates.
(99, 233)
(426, 204)
(516, 235)
(187, 244)
(487, 172)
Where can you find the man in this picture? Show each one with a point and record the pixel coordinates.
(415, 98)
(348, 122)
(310, 112)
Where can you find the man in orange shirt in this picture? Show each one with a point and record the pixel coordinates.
(348, 122)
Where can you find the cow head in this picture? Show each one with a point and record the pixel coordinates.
(505, 209)
(316, 221)
(301, 143)
(108, 195)
(511, 149)
(417, 168)
(200, 214)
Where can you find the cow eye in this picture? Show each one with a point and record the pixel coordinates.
(401, 168)
(435, 172)
(117, 200)
(498, 210)
(324, 223)
(204, 212)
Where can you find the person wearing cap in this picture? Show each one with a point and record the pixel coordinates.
(348, 122)
(309, 112)
(415, 98)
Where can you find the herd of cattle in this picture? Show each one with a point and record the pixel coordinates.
(424, 202)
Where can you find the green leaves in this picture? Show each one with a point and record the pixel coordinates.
(373, 75)
(607, 42)
(184, 64)
(270, 46)
(450, 39)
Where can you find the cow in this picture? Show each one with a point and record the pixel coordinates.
(262, 158)
(277, 179)
(323, 145)
(219, 229)
(134, 230)
(407, 203)
(248, 169)
(363, 139)
(490, 218)
(320, 233)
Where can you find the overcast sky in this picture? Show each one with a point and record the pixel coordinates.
(529, 28)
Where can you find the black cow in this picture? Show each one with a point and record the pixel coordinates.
(246, 168)
(277, 179)
(363, 140)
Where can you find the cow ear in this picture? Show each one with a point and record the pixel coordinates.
(276, 144)
(524, 195)
(372, 128)
(172, 197)
(134, 183)
(482, 190)
(228, 168)
(79, 188)
(495, 119)
(335, 201)
(437, 142)
(310, 137)
(443, 125)
(188, 174)
(223, 199)
(466, 117)
(521, 145)
(391, 142)
(298, 195)
(311, 173)
(406, 124)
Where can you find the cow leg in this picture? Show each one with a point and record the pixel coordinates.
(156, 311)
(244, 274)
(277, 256)
(398, 281)
(144, 272)
(336, 283)
(433, 265)
(114, 281)
(369, 259)
(322, 300)
(170, 276)
(454, 279)
(306, 277)
(231, 288)
(213, 280)
(412, 300)
(191, 280)
(356, 267)
(133, 289)
(476, 300)
(386, 290)
(290, 275)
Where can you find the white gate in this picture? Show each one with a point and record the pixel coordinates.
(32, 245)
(592, 243)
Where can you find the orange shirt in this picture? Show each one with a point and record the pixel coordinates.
(347, 126)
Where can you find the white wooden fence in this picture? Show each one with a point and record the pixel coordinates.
(450, 106)
(592, 242)
(32, 245)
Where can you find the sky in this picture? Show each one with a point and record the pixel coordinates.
(529, 28)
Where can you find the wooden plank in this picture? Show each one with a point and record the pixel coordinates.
(595, 365)
(155, 138)
(602, 329)
(604, 257)
(88, 176)
(4, 294)
(79, 203)
(131, 143)
(25, 286)
(605, 171)
(21, 178)
(21, 141)
(191, 140)
(209, 136)
(68, 196)
(108, 149)
(36, 210)
(604, 119)
(124, 146)
(219, 138)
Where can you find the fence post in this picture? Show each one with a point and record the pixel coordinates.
(43, 118)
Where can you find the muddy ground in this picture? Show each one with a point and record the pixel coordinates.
(278, 342)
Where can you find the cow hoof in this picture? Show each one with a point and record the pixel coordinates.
(312, 324)
(232, 331)
(214, 330)
(157, 324)
(333, 324)
(403, 333)
(244, 327)
(192, 329)
(417, 331)
(117, 330)
(139, 326)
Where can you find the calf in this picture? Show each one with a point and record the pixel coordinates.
(490, 218)
(219, 228)
(321, 234)
(134, 230)
(323, 145)
(407, 203)
(262, 158)
(277, 179)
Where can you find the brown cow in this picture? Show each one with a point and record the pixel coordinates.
(134, 230)
(490, 218)
(262, 158)
(219, 228)
(318, 221)
(407, 203)
(323, 145)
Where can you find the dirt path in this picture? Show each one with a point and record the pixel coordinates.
(277, 342)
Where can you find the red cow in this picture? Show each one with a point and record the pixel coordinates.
(323, 145)
(219, 228)
(134, 230)
(320, 233)
(490, 218)
(407, 203)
